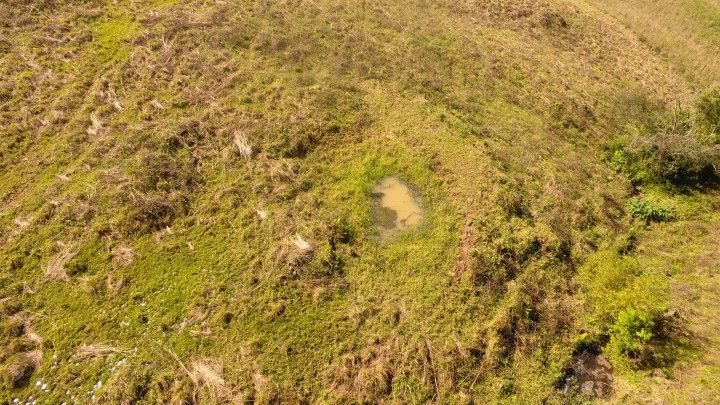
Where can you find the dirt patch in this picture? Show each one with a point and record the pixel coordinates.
(468, 239)
(397, 206)
(592, 375)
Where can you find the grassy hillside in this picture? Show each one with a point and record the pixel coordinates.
(186, 203)
(686, 33)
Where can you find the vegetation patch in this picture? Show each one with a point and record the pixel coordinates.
(649, 211)
(112, 36)
(190, 195)
(672, 145)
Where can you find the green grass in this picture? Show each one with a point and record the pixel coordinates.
(526, 250)
(683, 32)
(112, 36)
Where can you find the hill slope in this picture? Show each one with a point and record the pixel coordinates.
(186, 202)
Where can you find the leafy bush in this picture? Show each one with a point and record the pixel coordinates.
(632, 332)
(675, 145)
(708, 107)
(675, 155)
(649, 211)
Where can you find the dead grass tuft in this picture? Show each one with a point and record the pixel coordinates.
(34, 358)
(56, 267)
(295, 252)
(264, 389)
(33, 336)
(84, 352)
(243, 146)
(95, 125)
(17, 374)
(23, 222)
(123, 257)
(207, 374)
(365, 376)
(302, 246)
(114, 176)
(156, 104)
(114, 285)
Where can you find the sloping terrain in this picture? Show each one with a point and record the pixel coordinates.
(186, 202)
(686, 33)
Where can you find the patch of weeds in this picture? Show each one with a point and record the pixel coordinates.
(161, 188)
(675, 145)
(647, 339)
(650, 211)
(611, 282)
(708, 107)
(634, 107)
(628, 243)
(632, 332)
(513, 201)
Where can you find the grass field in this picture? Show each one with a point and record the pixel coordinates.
(186, 201)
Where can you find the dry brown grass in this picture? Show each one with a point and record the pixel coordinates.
(33, 336)
(95, 125)
(206, 374)
(56, 267)
(34, 357)
(23, 222)
(114, 284)
(18, 372)
(295, 252)
(243, 146)
(681, 30)
(366, 376)
(264, 391)
(123, 257)
(97, 350)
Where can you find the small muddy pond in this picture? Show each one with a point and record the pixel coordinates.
(396, 206)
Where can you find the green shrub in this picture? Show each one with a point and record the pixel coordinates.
(632, 332)
(670, 145)
(673, 154)
(708, 107)
(649, 211)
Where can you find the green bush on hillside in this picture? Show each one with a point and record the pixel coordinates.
(675, 145)
(632, 332)
(709, 112)
(649, 211)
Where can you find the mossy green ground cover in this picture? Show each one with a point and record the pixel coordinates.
(131, 227)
